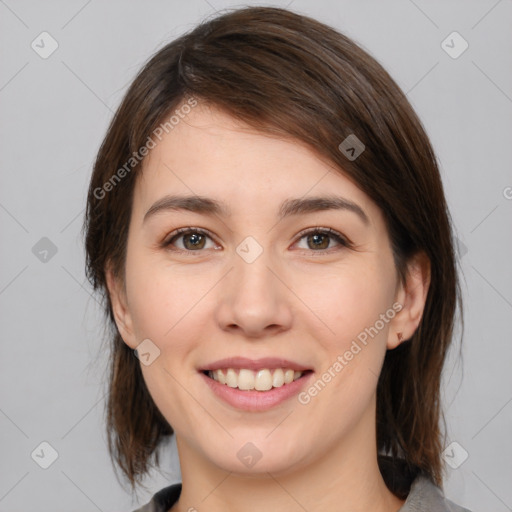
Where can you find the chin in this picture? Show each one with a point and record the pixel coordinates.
(255, 457)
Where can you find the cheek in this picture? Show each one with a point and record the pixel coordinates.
(152, 306)
(165, 308)
(347, 301)
(352, 303)
(158, 295)
(170, 308)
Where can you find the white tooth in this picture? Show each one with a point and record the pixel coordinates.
(288, 376)
(246, 379)
(278, 378)
(263, 380)
(231, 378)
(219, 375)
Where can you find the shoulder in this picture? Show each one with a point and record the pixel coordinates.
(163, 500)
(425, 496)
(420, 493)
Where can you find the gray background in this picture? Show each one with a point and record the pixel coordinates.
(54, 114)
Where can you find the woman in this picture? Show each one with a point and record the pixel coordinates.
(268, 226)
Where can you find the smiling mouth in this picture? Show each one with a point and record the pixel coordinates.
(260, 380)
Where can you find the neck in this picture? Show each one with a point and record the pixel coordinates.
(347, 478)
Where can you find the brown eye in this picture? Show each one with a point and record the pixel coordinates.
(188, 239)
(194, 241)
(322, 239)
(318, 241)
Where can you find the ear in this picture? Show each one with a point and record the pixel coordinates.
(117, 293)
(412, 297)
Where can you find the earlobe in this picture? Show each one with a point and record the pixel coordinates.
(412, 297)
(120, 309)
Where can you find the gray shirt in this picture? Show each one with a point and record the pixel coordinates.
(423, 496)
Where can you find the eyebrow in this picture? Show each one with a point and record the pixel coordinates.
(289, 207)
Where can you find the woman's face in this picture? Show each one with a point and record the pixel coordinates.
(256, 274)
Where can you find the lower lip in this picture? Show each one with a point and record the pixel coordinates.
(253, 400)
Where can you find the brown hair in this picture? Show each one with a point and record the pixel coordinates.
(288, 75)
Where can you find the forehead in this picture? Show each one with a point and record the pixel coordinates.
(209, 153)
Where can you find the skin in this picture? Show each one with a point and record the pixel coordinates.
(294, 301)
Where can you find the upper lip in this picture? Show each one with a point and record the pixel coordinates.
(254, 364)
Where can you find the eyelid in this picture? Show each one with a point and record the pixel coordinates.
(342, 240)
(180, 231)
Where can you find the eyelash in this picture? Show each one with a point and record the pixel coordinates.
(343, 241)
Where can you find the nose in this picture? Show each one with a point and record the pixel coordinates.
(253, 300)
